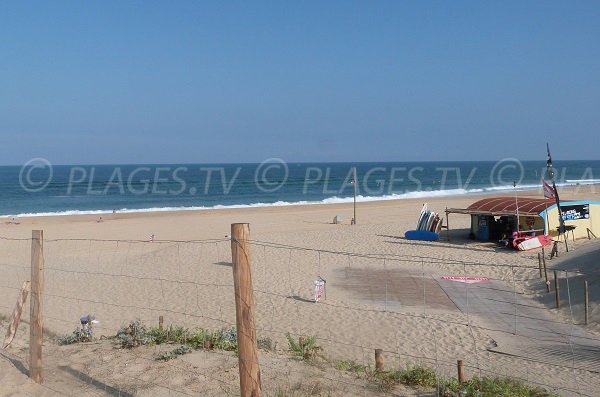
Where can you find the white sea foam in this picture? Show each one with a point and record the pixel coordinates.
(583, 181)
(330, 200)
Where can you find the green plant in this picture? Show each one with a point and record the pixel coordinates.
(134, 335)
(171, 334)
(351, 366)
(418, 376)
(384, 380)
(166, 356)
(491, 387)
(202, 339)
(306, 348)
(225, 339)
(266, 344)
(75, 337)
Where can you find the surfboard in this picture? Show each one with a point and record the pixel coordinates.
(424, 218)
(422, 235)
(423, 211)
(430, 221)
(435, 224)
(439, 225)
(534, 242)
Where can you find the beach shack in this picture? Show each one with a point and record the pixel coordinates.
(493, 216)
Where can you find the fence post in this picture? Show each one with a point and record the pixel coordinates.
(379, 359)
(36, 332)
(16, 316)
(545, 271)
(461, 371)
(161, 321)
(250, 385)
(557, 289)
(586, 301)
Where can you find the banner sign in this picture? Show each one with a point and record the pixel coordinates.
(467, 280)
(319, 289)
(574, 212)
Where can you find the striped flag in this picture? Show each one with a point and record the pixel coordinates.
(548, 190)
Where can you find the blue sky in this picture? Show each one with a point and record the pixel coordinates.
(194, 81)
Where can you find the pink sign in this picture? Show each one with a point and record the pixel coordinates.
(468, 280)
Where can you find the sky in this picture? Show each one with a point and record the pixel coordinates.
(99, 82)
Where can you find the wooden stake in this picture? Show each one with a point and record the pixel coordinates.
(461, 371)
(540, 264)
(447, 225)
(16, 316)
(36, 333)
(545, 271)
(557, 289)
(250, 384)
(161, 321)
(586, 301)
(379, 359)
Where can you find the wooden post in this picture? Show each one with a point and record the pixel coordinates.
(461, 371)
(379, 359)
(586, 301)
(161, 321)
(447, 225)
(540, 264)
(36, 333)
(16, 316)
(545, 271)
(557, 289)
(250, 385)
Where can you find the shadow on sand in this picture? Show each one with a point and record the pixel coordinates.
(113, 391)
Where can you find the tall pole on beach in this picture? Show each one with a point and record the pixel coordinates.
(561, 221)
(354, 172)
(547, 221)
(516, 204)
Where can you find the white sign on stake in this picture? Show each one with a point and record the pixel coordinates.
(320, 289)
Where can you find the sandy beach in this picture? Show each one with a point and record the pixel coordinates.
(383, 292)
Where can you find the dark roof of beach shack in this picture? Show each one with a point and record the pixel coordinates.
(505, 206)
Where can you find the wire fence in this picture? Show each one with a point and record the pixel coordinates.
(418, 310)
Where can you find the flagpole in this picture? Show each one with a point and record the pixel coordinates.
(546, 189)
(354, 218)
(516, 204)
(561, 221)
(547, 220)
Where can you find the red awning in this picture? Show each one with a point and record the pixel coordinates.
(506, 206)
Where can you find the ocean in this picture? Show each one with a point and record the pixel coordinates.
(39, 188)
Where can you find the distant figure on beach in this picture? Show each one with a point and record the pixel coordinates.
(114, 210)
(99, 220)
(503, 240)
(152, 238)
